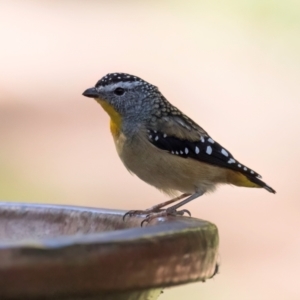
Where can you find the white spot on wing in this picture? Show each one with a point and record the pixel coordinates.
(252, 172)
(224, 152)
(211, 140)
(245, 169)
(186, 150)
(202, 139)
(231, 161)
(156, 138)
(165, 135)
(239, 165)
(209, 150)
(197, 150)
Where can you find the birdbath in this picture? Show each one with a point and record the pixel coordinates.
(69, 252)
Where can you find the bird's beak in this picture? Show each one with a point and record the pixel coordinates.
(91, 93)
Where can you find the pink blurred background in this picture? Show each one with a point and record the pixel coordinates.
(233, 66)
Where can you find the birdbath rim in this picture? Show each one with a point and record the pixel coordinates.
(167, 252)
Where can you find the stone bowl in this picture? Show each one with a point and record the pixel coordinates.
(70, 252)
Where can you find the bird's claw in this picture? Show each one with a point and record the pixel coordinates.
(153, 213)
(131, 213)
(181, 212)
(177, 212)
(146, 212)
(144, 221)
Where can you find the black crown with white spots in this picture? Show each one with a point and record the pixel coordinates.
(117, 77)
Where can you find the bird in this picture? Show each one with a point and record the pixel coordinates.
(164, 147)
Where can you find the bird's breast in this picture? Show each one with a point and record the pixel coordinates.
(115, 118)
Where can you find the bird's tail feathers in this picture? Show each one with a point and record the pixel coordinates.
(240, 179)
(262, 184)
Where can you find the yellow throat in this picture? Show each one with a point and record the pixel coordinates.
(115, 118)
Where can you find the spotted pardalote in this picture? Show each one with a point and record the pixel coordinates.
(164, 147)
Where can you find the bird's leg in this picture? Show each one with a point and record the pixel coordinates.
(172, 211)
(155, 208)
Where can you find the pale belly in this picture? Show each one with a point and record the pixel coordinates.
(167, 172)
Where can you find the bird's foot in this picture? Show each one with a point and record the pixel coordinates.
(158, 208)
(146, 212)
(164, 213)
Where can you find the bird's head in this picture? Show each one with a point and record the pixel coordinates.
(124, 95)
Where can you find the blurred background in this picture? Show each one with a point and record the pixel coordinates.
(232, 66)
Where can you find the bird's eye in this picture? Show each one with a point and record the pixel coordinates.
(119, 91)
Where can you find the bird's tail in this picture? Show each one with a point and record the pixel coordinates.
(262, 184)
(240, 179)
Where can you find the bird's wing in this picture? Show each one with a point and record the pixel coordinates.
(204, 150)
(179, 126)
(183, 137)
